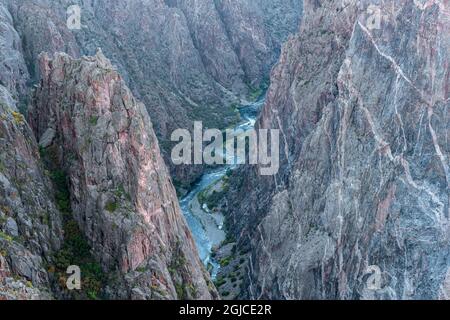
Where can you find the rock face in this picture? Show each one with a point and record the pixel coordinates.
(90, 126)
(360, 208)
(186, 60)
(121, 193)
(13, 70)
(30, 224)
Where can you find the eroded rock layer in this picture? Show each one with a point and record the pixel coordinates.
(360, 207)
(186, 60)
(121, 193)
(30, 224)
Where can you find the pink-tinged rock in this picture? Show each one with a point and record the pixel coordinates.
(121, 193)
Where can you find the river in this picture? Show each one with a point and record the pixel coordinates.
(207, 227)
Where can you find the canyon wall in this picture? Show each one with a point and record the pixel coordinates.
(121, 193)
(187, 60)
(82, 179)
(360, 208)
(30, 223)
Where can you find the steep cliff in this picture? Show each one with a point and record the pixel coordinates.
(360, 208)
(30, 224)
(186, 60)
(13, 70)
(121, 194)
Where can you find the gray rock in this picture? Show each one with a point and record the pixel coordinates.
(13, 70)
(25, 193)
(121, 192)
(11, 227)
(47, 138)
(190, 60)
(363, 188)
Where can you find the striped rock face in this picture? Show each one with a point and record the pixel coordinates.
(360, 208)
(185, 60)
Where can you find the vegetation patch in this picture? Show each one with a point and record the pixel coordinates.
(220, 282)
(76, 249)
(225, 261)
(212, 198)
(93, 120)
(6, 237)
(111, 206)
(18, 118)
(185, 289)
(120, 192)
(62, 194)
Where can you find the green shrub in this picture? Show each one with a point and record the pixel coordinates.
(6, 237)
(62, 195)
(255, 93)
(111, 206)
(18, 118)
(141, 269)
(193, 290)
(93, 120)
(76, 251)
(120, 192)
(225, 261)
(220, 282)
(181, 294)
(45, 218)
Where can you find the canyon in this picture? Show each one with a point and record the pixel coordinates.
(358, 91)
(363, 187)
(83, 176)
(185, 60)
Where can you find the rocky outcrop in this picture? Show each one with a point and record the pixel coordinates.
(121, 193)
(186, 60)
(13, 70)
(256, 31)
(30, 224)
(360, 207)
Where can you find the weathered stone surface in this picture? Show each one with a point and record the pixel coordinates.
(121, 192)
(186, 60)
(30, 225)
(11, 227)
(13, 70)
(47, 138)
(364, 119)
